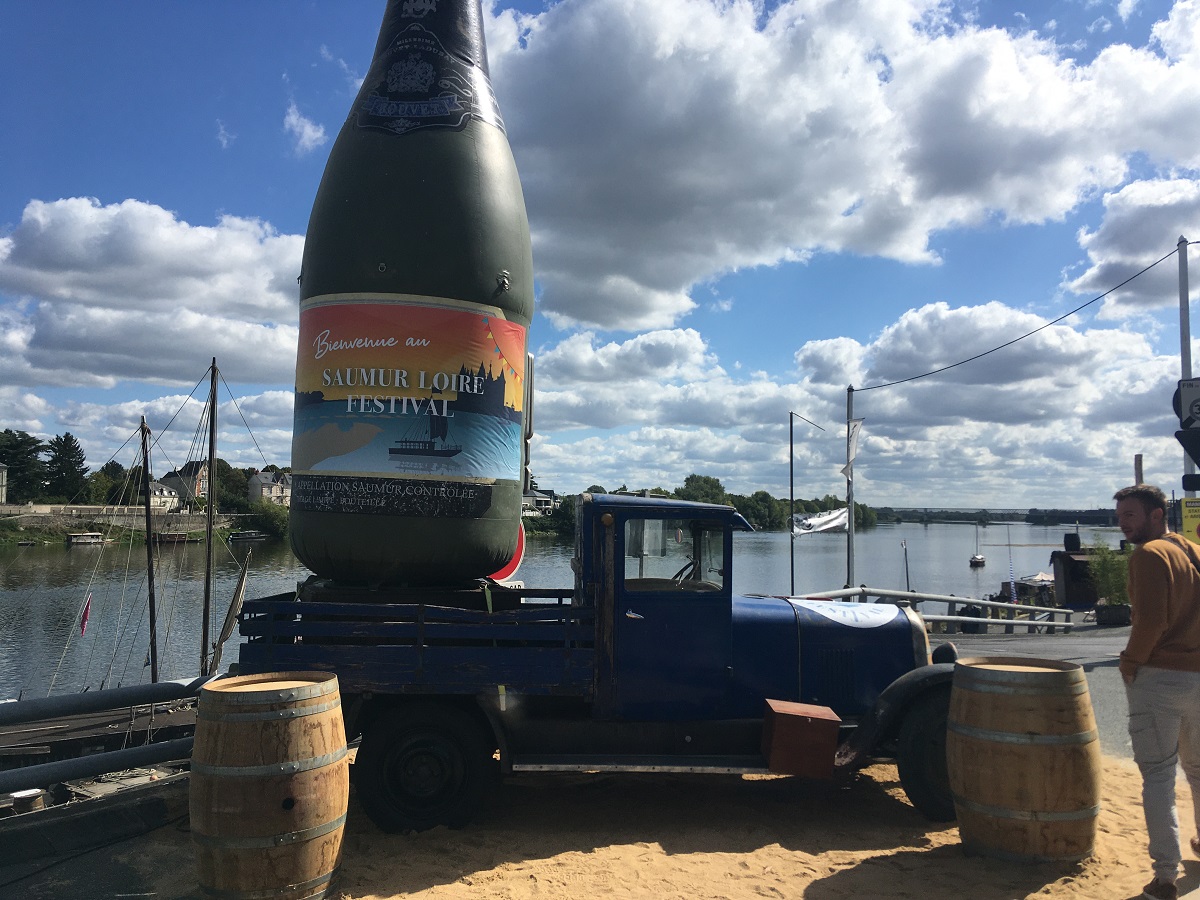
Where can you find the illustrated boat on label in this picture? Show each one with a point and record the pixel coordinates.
(432, 439)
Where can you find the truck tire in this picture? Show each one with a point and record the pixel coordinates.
(423, 766)
(921, 755)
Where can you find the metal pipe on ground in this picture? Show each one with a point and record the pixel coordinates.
(93, 764)
(36, 710)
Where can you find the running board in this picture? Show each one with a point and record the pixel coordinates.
(712, 765)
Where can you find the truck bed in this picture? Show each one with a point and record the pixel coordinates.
(535, 643)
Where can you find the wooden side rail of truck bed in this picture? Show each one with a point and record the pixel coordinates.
(542, 646)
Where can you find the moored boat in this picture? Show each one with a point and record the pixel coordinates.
(248, 535)
(978, 560)
(177, 537)
(85, 537)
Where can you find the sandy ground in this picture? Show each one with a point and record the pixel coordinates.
(677, 836)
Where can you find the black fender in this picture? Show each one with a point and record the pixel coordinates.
(883, 721)
(363, 709)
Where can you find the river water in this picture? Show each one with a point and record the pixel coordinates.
(44, 590)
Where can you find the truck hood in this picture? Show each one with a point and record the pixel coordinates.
(840, 655)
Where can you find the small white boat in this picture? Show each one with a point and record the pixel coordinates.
(85, 537)
(978, 560)
(834, 520)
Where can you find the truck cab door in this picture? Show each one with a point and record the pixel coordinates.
(672, 630)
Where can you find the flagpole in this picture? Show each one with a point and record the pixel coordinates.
(849, 490)
(792, 417)
(792, 498)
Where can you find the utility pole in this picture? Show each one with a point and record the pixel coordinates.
(849, 490)
(1185, 339)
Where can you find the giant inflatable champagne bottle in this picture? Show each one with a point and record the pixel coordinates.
(416, 296)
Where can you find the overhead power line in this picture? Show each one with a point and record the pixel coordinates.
(1066, 315)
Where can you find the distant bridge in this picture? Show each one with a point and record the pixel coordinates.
(1029, 516)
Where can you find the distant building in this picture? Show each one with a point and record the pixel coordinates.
(537, 503)
(163, 498)
(271, 487)
(3, 483)
(189, 481)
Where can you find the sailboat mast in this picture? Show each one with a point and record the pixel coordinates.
(149, 552)
(211, 509)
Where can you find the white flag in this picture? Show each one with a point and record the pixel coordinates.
(852, 429)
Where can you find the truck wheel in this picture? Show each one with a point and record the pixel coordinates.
(921, 756)
(423, 766)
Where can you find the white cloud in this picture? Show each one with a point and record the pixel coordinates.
(307, 134)
(23, 411)
(1061, 413)
(99, 293)
(224, 137)
(700, 138)
(1142, 222)
(253, 430)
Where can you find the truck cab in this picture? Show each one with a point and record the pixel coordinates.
(649, 662)
(685, 646)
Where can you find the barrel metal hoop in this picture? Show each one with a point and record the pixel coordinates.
(282, 695)
(1028, 815)
(317, 886)
(1008, 737)
(267, 841)
(1072, 689)
(267, 715)
(285, 768)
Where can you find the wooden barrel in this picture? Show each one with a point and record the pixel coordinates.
(1023, 758)
(269, 786)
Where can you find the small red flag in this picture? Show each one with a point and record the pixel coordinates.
(87, 611)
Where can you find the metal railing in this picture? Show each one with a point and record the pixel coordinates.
(1034, 619)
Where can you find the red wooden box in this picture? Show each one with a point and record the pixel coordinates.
(800, 739)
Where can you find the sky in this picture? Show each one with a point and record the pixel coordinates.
(738, 210)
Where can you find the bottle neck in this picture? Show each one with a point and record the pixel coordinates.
(430, 69)
(458, 24)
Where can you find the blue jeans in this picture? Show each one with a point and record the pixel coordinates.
(1164, 726)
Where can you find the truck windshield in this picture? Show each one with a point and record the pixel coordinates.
(674, 554)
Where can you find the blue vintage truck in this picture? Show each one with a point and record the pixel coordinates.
(648, 664)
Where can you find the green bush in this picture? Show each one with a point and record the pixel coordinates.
(270, 518)
(1109, 569)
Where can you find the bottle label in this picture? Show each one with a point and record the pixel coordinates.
(390, 496)
(417, 83)
(408, 387)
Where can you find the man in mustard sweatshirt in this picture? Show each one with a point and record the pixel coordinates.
(1161, 668)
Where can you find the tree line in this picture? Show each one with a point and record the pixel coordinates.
(56, 471)
(760, 509)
